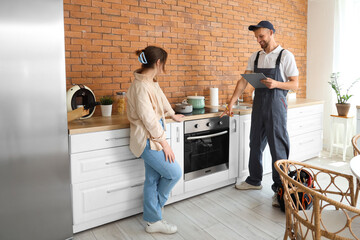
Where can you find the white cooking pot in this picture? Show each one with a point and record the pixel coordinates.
(183, 107)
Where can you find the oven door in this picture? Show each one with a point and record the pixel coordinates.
(205, 152)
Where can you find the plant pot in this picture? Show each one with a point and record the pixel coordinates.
(343, 109)
(106, 110)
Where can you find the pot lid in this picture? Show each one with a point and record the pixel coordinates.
(183, 104)
(195, 97)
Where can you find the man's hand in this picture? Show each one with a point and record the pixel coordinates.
(177, 117)
(270, 83)
(228, 111)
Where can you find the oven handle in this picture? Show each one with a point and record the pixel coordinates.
(207, 136)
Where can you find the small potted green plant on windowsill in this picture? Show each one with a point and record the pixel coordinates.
(342, 106)
(106, 105)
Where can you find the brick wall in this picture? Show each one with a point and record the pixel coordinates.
(207, 41)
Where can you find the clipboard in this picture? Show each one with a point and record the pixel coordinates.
(254, 79)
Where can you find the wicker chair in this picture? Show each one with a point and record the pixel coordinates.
(356, 152)
(334, 214)
(354, 143)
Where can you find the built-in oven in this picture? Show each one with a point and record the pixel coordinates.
(206, 146)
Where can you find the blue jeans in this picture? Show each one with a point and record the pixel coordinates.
(160, 177)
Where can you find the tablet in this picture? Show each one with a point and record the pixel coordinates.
(254, 79)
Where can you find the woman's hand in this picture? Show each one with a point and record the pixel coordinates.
(169, 154)
(177, 117)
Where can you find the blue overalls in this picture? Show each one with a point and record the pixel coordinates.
(268, 125)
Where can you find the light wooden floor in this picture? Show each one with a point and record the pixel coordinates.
(223, 214)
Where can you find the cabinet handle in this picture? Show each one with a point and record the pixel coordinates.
(306, 142)
(235, 129)
(113, 139)
(177, 134)
(120, 189)
(117, 161)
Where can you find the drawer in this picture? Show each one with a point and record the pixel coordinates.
(97, 199)
(99, 140)
(97, 164)
(305, 124)
(104, 139)
(294, 113)
(306, 146)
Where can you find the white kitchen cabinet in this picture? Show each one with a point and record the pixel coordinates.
(107, 179)
(244, 150)
(305, 127)
(177, 145)
(234, 146)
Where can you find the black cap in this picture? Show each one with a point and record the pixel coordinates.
(262, 24)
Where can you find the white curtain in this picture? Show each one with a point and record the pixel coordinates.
(347, 47)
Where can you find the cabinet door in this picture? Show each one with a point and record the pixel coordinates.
(234, 146)
(97, 199)
(244, 150)
(102, 163)
(177, 145)
(305, 146)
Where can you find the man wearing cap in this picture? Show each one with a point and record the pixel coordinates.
(269, 111)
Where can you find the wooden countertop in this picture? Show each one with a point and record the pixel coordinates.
(95, 124)
(358, 106)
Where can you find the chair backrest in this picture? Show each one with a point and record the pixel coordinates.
(354, 143)
(333, 214)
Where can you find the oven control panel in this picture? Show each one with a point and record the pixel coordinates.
(206, 124)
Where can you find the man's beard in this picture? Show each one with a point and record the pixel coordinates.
(264, 45)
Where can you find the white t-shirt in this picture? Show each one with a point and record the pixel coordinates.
(287, 66)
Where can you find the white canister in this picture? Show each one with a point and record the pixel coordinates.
(214, 96)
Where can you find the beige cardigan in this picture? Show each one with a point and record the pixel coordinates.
(146, 105)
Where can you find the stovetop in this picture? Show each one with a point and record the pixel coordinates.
(200, 111)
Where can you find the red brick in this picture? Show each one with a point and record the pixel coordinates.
(80, 15)
(89, 22)
(110, 11)
(81, 2)
(90, 9)
(72, 7)
(102, 42)
(101, 29)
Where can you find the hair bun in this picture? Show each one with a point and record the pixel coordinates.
(138, 52)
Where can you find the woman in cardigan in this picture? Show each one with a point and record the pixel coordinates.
(147, 107)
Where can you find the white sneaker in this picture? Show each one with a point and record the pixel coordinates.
(245, 186)
(161, 227)
(275, 201)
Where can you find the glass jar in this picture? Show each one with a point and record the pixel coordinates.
(121, 102)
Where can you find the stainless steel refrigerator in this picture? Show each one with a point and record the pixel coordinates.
(35, 196)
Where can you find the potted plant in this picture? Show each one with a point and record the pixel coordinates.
(106, 105)
(342, 106)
